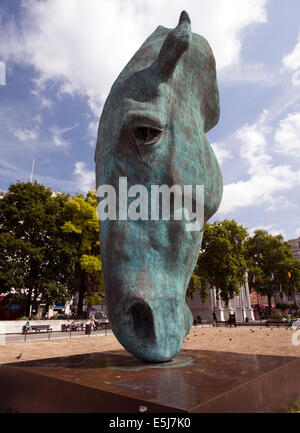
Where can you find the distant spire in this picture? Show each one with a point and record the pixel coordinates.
(31, 177)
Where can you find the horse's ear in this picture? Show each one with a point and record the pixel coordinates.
(210, 105)
(175, 44)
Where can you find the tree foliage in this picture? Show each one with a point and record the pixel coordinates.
(36, 258)
(50, 250)
(83, 226)
(221, 262)
(270, 259)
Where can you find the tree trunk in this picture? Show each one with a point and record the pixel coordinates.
(28, 303)
(82, 292)
(80, 301)
(270, 304)
(88, 311)
(35, 303)
(89, 307)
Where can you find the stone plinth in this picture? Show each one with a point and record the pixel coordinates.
(196, 381)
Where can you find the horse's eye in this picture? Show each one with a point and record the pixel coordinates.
(145, 135)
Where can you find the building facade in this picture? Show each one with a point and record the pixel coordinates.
(295, 244)
(240, 305)
(291, 299)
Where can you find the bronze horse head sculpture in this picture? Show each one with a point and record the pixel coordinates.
(152, 132)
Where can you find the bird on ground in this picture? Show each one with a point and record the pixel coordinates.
(19, 356)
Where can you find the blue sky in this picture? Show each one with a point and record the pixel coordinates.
(62, 57)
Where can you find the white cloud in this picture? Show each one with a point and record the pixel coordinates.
(31, 133)
(25, 134)
(93, 131)
(270, 228)
(291, 61)
(221, 151)
(45, 102)
(253, 147)
(257, 73)
(84, 44)
(287, 136)
(280, 202)
(266, 180)
(57, 135)
(85, 179)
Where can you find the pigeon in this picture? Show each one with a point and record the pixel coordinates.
(19, 356)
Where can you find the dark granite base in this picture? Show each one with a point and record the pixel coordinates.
(116, 382)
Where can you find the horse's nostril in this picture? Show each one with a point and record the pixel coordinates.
(143, 324)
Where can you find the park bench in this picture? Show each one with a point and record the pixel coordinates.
(201, 322)
(226, 323)
(77, 327)
(221, 323)
(277, 322)
(103, 325)
(274, 322)
(37, 328)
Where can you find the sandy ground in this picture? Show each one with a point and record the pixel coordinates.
(266, 341)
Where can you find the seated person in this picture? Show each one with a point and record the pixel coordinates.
(67, 325)
(74, 325)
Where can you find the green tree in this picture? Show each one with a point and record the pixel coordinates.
(36, 259)
(198, 284)
(83, 226)
(270, 260)
(221, 262)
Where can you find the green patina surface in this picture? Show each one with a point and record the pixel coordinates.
(152, 131)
